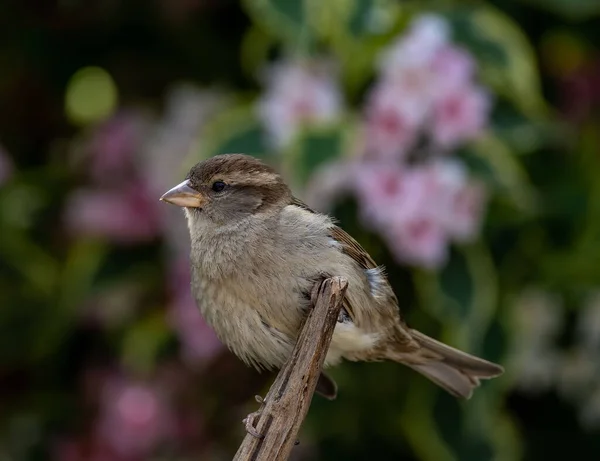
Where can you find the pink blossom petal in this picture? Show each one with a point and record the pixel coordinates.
(400, 204)
(453, 67)
(419, 240)
(467, 212)
(391, 126)
(135, 417)
(460, 116)
(123, 216)
(427, 34)
(380, 188)
(298, 93)
(460, 201)
(113, 146)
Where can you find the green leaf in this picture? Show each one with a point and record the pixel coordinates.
(523, 135)
(33, 262)
(144, 342)
(507, 59)
(285, 19)
(248, 140)
(313, 148)
(356, 31)
(82, 266)
(256, 46)
(358, 23)
(235, 130)
(418, 423)
(462, 296)
(478, 430)
(575, 10)
(489, 158)
(75, 280)
(457, 284)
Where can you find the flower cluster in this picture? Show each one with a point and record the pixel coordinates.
(410, 188)
(424, 104)
(426, 88)
(420, 209)
(298, 93)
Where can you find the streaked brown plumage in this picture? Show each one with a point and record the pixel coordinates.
(256, 253)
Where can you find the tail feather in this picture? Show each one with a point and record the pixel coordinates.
(454, 381)
(455, 371)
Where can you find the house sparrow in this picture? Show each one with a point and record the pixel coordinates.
(256, 253)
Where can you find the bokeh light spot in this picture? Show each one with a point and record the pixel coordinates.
(91, 96)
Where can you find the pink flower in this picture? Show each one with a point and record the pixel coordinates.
(417, 48)
(391, 128)
(419, 239)
(460, 200)
(126, 216)
(420, 209)
(113, 146)
(298, 93)
(381, 190)
(460, 115)
(415, 234)
(135, 417)
(425, 81)
(408, 71)
(399, 203)
(468, 203)
(453, 67)
(198, 341)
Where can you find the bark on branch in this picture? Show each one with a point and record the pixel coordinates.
(287, 402)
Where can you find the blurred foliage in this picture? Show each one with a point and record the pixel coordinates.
(92, 108)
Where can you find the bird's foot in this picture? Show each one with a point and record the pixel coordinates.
(252, 417)
(314, 292)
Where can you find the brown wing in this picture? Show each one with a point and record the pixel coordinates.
(349, 246)
(353, 249)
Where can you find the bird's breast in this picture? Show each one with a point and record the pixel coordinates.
(258, 326)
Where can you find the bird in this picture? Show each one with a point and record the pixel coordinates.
(256, 253)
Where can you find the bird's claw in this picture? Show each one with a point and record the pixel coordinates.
(314, 292)
(251, 418)
(249, 424)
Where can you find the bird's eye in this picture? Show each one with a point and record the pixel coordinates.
(218, 186)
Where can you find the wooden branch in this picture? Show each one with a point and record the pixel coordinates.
(287, 402)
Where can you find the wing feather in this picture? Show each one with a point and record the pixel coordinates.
(355, 251)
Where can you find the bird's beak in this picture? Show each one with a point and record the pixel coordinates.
(183, 195)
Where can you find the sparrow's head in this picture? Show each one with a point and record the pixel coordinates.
(228, 188)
